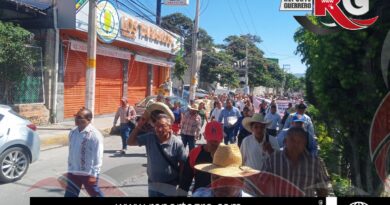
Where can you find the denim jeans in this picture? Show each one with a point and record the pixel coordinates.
(229, 135)
(125, 132)
(76, 181)
(188, 139)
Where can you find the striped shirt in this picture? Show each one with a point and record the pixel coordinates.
(85, 151)
(308, 175)
(190, 124)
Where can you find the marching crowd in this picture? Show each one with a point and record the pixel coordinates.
(246, 152)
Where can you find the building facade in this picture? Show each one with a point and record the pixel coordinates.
(134, 57)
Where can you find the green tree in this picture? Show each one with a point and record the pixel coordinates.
(218, 66)
(183, 26)
(257, 67)
(344, 82)
(180, 67)
(15, 57)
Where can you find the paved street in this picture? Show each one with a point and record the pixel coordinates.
(121, 175)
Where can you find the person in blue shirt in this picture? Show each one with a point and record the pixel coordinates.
(229, 116)
(239, 129)
(299, 121)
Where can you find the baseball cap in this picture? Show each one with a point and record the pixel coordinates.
(213, 131)
(298, 118)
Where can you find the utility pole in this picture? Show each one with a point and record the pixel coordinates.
(194, 72)
(91, 59)
(246, 88)
(158, 13)
(150, 66)
(286, 68)
(246, 65)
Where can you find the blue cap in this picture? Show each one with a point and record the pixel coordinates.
(298, 118)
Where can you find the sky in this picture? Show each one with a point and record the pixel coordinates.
(221, 18)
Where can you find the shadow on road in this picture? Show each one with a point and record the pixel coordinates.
(116, 154)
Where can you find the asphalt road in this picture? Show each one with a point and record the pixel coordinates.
(122, 175)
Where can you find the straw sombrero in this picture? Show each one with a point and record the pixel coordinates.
(193, 107)
(257, 117)
(162, 107)
(227, 162)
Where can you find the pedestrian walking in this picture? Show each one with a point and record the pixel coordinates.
(165, 155)
(85, 157)
(177, 113)
(126, 115)
(275, 120)
(190, 126)
(298, 166)
(216, 111)
(229, 116)
(148, 118)
(227, 173)
(301, 110)
(258, 146)
(298, 121)
(240, 129)
(201, 154)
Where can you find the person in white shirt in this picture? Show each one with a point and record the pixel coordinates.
(275, 120)
(85, 156)
(217, 111)
(257, 147)
(240, 104)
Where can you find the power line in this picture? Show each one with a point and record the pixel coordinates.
(234, 16)
(204, 9)
(251, 17)
(138, 11)
(243, 18)
(140, 4)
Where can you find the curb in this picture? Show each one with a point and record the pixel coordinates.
(57, 141)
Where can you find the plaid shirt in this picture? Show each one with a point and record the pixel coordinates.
(190, 124)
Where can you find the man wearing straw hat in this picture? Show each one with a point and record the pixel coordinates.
(227, 173)
(257, 147)
(190, 126)
(165, 154)
(146, 122)
(201, 154)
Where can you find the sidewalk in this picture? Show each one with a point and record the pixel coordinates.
(56, 135)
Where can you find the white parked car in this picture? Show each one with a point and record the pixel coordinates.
(19, 145)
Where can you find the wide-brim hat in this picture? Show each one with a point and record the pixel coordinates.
(194, 107)
(257, 117)
(162, 107)
(227, 162)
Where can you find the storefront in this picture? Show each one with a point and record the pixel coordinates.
(127, 48)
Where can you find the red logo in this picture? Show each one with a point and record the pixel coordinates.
(341, 17)
(332, 7)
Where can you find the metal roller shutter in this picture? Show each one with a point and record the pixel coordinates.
(74, 82)
(138, 78)
(108, 90)
(108, 85)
